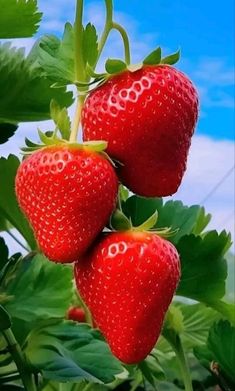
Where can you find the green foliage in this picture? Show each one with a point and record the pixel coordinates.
(5, 320)
(21, 79)
(7, 131)
(219, 352)
(70, 352)
(79, 386)
(153, 58)
(19, 18)
(204, 268)
(90, 45)
(113, 66)
(172, 58)
(173, 214)
(61, 118)
(9, 208)
(57, 56)
(39, 290)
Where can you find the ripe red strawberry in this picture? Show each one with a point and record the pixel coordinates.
(128, 280)
(68, 194)
(77, 314)
(148, 118)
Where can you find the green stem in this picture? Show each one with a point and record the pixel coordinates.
(175, 341)
(18, 357)
(125, 39)
(107, 27)
(77, 118)
(78, 27)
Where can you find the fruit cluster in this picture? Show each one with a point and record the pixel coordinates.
(69, 191)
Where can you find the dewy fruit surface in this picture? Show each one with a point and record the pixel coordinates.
(68, 195)
(128, 281)
(148, 118)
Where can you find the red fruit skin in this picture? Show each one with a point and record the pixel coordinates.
(67, 194)
(128, 280)
(148, 118)
(76, 314)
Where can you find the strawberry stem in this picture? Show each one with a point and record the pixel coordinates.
(77, 118)
(175, 341)
(18, 357)
(125, 39)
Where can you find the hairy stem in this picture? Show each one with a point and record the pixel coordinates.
(125, 39)
(107, 27)
(18, 357)
(79, 63)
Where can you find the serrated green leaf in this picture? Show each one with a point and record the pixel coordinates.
(203, 267)
(8, 204)
(90, 45)
(61, 118)
(56, 56)
(172, 58)
(153, 58)
(19, 18)
(7, 131)
(113, 66)
(197, 320)
(69, 352)
(119, 221)
(5, 320)
(220, 349)
(40, 290)
(25, 92)
(172, 214)
(4, 253)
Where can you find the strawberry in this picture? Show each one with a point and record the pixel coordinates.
(67, 193)
(77, 314)
(148, 118)
(128, 280)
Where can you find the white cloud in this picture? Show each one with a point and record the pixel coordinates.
(209, 160)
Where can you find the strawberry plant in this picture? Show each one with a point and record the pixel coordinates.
(112, 287)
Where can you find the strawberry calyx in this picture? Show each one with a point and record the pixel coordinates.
(120, 222)
(49, 139)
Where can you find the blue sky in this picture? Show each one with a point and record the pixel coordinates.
(204, 31)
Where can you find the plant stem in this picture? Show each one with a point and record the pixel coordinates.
(17, 240)
(18, 357)
(79, 63)
(77, 118)
(107, 28)
(125, 39)
(174, 340)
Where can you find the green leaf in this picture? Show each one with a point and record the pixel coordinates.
(56, 56)
(40, 290)
(61, 118)
(220, 349)
(172, 214)
(8, 204)
(119, 221)
(115, 66)
(203, 267)
(221, 342)
(18, 18)
(172, 58)
(153, 58)
(68, 351)
(197, 320)
(5, 320)
(25, 92)
(4, 253)
(80, 386)
(6, 131)
(225, 309)
(90, 45)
